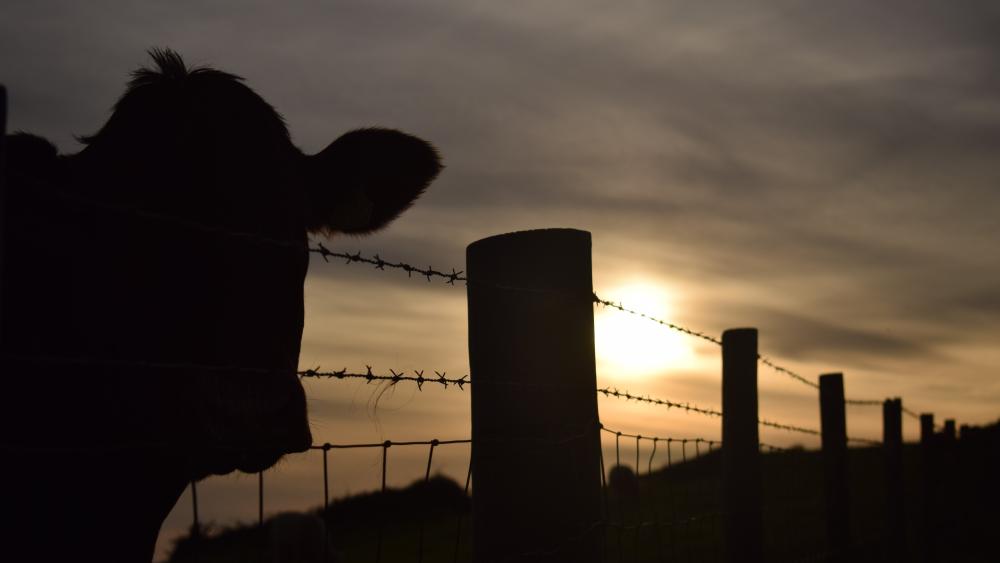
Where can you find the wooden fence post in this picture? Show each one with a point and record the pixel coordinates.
(929, 472)
(892, 444)
(949, 430)
(196, 521)
(833, 422)
(3, 198)
(741, 473)
(536, 450)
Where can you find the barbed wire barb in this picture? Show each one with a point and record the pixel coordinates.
(688, 407)
(788, 427)
(597, 299)
(863, 402)
(393, 378)
(381, 264)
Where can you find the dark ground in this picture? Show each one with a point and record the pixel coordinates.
(676, 515)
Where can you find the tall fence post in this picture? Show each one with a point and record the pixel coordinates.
(536, 450)
(741, 473)
(892, 444)
(833, 420)
(3, 196)
(949, 430)
(928, 464)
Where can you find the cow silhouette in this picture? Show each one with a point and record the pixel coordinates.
(152, 301)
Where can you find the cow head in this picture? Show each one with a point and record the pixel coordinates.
(191, 209)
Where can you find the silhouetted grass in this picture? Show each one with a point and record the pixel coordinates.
(677, 513)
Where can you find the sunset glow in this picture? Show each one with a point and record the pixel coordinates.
(628, 345)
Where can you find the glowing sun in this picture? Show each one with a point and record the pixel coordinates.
(629, 345)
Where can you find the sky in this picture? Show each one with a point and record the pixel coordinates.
(824, 172)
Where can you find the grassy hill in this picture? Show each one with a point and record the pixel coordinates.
(675, 513)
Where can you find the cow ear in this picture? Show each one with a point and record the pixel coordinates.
(30, 154)
(365, 179)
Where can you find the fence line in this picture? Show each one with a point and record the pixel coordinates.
(417, 377)
(381, 264)
(789, 427)
(864, 402)
(662, 322)
(656, 439)
(687, 407)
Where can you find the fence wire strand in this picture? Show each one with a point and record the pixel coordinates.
(688, 407)
(863, 402)
(429, 273)
(46, 190)
(395, 377)
(788, 427)
(617, 434)
(780, 369)
(381, 264)
(671, 326)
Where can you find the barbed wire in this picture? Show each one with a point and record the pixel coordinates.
(456, 275)
(46, 190)
(417, 377)
(762, 358)
(863, 402)
(381, 264)
(611, 392)
(788, 427)
(429, 273)
(672, 326)
(393, 378)
(781, 369)
(688, 407)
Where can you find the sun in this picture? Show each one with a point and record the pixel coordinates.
(628, 345)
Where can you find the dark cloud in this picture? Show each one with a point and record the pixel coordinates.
(842, 155)
(802, 337)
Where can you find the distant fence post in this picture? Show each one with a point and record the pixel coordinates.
(741, 474)
(833, 422)
(949, 430)
(3, 196)
(196, 522)
(536, 450)
(929, 470)
(892, 444)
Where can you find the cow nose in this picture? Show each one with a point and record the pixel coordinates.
(303, 442)
(297, 437)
